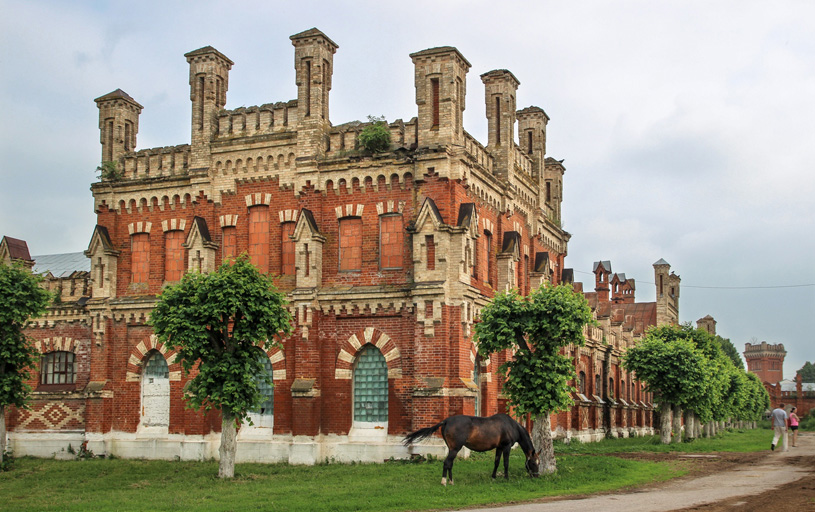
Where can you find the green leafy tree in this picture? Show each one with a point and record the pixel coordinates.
(757, 398)
(731, 351)
(216, 322)
(536, 328)
(672, 367)
(376, 137)
(807, 372)
(20, 298)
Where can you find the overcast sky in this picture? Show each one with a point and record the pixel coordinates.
(687, 127)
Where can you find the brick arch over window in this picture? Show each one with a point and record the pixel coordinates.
(278, 359)
(138, 358)
(484, 371)
(56, 344)
(350, 349)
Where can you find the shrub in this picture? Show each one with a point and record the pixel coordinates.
(376, 137)
(109, 171)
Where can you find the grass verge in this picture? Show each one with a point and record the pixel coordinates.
(125, 485)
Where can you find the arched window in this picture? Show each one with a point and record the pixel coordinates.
(581, 383)
(611, 387)
(263, 416)
(623, 389)
(370, 388)
(155, 392)
(598, 385)
(58, 368)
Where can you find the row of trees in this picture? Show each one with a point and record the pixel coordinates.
(688, 370)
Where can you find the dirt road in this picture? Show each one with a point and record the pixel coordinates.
(766, 481)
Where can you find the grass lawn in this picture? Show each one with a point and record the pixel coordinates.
(104, 484)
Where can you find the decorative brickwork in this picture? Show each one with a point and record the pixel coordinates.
(397, 252)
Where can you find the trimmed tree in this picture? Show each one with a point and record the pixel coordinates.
(216, 322)
(807, 372)
(21, 298)
(672, 367)
(535, 328)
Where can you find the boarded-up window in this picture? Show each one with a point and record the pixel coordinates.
(259, 237)
(390, 241)
(351, 244)
(173, 255)
(230, 242)
(287, 248)
(139, 257)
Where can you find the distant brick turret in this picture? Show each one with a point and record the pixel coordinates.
(766, 361)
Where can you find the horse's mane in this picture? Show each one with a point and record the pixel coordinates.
(524, 439)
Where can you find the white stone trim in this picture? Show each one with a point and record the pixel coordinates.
(288, 215)
(350, 210)
(228, 220)
(139, 227)
(173, 225)
(258, 198)
(391, 206)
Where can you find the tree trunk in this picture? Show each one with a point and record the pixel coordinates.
(665, 423)
(677, 424)
(542, 443)
(689, 428)
(229, 445)
(697, 425)
(2, 434)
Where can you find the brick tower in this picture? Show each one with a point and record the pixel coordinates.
(766, 361)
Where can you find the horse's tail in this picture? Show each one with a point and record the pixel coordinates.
(421, 434)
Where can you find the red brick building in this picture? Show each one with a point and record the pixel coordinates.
(386, 258)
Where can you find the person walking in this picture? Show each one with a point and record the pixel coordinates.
(779, 416)
(794, 419)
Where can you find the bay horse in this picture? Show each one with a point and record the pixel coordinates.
(480, 435)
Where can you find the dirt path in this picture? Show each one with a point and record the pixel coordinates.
(766, 481)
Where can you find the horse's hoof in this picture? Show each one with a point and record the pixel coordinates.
(451, 481)
(444, 481)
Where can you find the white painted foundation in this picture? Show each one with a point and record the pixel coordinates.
(255, 445)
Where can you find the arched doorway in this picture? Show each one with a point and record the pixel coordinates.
(155, 392)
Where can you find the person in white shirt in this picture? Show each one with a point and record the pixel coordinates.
(779, 416)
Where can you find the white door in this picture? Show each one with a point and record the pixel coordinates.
(155, 392)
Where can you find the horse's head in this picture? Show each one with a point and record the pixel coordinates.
(533, 464)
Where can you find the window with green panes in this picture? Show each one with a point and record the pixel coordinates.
(156, 366)
(265, 388)
(371, 386)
